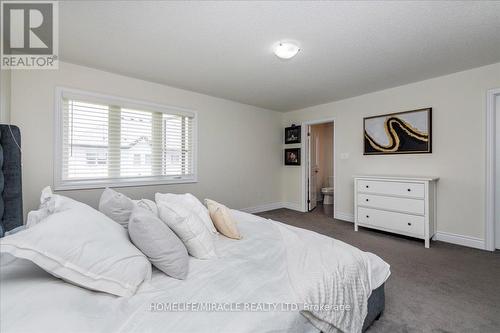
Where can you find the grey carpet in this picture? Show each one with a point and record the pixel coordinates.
(446, 288)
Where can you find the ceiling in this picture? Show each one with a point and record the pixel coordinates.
(224, 48)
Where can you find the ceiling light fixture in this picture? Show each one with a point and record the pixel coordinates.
(286, 50)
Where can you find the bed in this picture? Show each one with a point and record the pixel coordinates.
(249, 287)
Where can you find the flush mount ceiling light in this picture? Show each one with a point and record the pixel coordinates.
(286, 50)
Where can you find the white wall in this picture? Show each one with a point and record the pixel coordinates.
(5, 85)
(458, 158)
(239, 146)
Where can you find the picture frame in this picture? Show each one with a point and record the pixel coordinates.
(292, 156)
(293, 134)
(408, 132)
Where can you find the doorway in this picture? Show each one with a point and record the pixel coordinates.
(493, 170)
(319, 161)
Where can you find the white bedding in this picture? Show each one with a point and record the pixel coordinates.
(253, 271)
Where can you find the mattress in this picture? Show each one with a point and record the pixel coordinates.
(234, 293)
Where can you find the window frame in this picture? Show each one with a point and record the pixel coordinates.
(60, 184)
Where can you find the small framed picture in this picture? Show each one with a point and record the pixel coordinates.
(292, 156)
(292, 134)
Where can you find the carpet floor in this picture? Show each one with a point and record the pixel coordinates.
(447, 288)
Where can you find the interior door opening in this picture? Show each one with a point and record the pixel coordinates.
(320, 167)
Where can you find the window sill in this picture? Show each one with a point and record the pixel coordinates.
(97, 184)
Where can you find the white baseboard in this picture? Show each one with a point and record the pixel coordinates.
(272, 206)
(293, 206)
(442, 236)
(448, 237)
(263, 208)
(343, 216)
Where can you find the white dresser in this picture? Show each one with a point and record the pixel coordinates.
(403, 205)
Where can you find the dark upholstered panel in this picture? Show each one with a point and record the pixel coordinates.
(376, 306)
(11, 199)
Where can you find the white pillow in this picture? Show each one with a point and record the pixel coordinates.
(188, 226)
(160, 244)
(190, 202)
(36, 216)
(80, 245)
(117, 206)
(147, 204)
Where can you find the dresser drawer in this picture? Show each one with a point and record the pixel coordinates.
(405, 205)
(408, 224)
(414, 190)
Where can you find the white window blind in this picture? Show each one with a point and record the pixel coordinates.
(106, 141)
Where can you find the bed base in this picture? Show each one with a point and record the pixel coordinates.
(376, 306)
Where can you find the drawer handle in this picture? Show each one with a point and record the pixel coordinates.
(367, 200)
(367, 216)
(409, 223)
(367, 186)
(409, 190)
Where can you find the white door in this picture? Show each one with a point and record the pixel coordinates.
(497, 175)
(312, 163)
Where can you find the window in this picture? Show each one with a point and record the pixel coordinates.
(109, 141)
(96, 157)
(137, 159)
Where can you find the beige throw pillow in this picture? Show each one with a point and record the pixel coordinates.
(222, 219)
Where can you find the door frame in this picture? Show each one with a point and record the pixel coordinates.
(490, 169)
(310, 143)
(305, 158)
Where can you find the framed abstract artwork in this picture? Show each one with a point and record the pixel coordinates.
(407, 132)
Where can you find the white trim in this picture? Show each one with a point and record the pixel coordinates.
(304, 153)
(60, 185)
(490, 169)
(128, 103)
(271, 206)
(262, 208)
(448, 237)
(348, 217)
(442, 236)
(293, 206)
(128, 182)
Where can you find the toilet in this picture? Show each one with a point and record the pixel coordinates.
(328, 192)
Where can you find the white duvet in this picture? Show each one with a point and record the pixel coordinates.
(257, 284)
